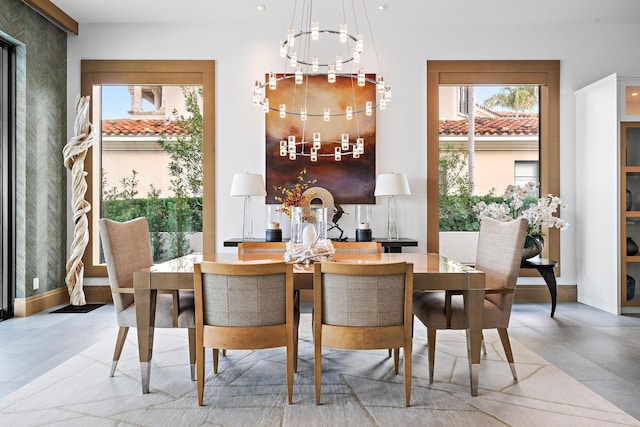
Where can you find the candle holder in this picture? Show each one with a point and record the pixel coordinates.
(273, 233)
(363, 221)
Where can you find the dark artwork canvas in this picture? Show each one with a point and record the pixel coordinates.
(350, 180)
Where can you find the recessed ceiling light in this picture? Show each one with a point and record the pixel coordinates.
(261, 7)
(382, 6)
(634, 94)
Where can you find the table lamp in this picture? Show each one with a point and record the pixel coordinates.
(247, 185)
(392, 184)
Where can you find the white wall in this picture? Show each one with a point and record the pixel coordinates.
(587, 52)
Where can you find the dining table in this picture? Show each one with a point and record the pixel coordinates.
(431, 272)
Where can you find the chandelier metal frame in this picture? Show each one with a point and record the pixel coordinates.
(308, 65)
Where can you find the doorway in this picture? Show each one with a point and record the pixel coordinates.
(7, 123)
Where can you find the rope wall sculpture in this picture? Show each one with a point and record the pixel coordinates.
(74, 154)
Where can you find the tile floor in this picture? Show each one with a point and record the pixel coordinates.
(598, 349)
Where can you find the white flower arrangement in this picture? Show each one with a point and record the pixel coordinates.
(539, 214)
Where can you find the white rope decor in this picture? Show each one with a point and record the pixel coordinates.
(74, 154)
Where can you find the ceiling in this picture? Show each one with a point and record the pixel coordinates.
(427, 11)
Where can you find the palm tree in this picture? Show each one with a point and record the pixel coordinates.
(517, 98)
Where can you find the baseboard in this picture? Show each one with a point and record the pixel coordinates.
(23, 307)
(540, 293)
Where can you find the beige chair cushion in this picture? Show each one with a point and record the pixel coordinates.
(358, 301)
(244, 300)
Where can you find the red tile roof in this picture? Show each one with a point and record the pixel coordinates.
(507, 124)
(132, 127)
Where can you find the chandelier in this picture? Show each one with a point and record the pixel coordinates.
(323, 88)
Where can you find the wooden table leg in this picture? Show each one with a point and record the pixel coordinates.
(549, 277)
(145, 300)
(474, 303)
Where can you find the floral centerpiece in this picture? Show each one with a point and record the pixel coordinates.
(294, 197)
(305, 245)
(541, 213)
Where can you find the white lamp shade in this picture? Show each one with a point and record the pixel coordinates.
(247, 184)
(392, 184)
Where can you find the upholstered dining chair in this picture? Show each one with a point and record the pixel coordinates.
(498, 255)
(245, 307)
(127, 249)
(358, 247)
(362, 306)
(245, 248)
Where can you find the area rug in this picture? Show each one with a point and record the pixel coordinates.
(87, 308)
(358, 389)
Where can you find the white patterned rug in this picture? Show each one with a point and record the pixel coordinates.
(358, 388)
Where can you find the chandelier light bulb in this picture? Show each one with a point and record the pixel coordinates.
(299, 75)
(349, 114)
(361, 77)
(343, 33)
(380, 84)
(387, 93)
(360, 145)
(265, 105)
(283, 148)
(283, 49)
(359, 43)
(337, 154)
(283, 111)
(327, 114)
(331, 76)
(315, 30)
(293, 60)
(272, 80)
(382, 104)
(356, 57)
(369, 108)
(314, 64)
(314, 156)
(291, 37)
(303, 114)
(338, 62)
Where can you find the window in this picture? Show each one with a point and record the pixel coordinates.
(146, 80)
(463, 103)
(545, 75)
(525, 171)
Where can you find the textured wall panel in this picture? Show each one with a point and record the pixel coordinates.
(40, 136)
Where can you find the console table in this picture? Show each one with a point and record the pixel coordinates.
(388, 246)
(545, 268)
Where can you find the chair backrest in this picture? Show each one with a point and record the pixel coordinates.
(358, 247)
(499, 255)
(364, 294)
(245, 248)
(243, 294)
(126, 249)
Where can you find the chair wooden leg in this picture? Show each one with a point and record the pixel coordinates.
(317, 365)
(396, 360)
(431, 343)
(506, 344)
(390, 352)
(215, 360)
(291, 356)
(407, 370)
(224, 352)
(122, 336)
(200, 374)
(192, 352)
